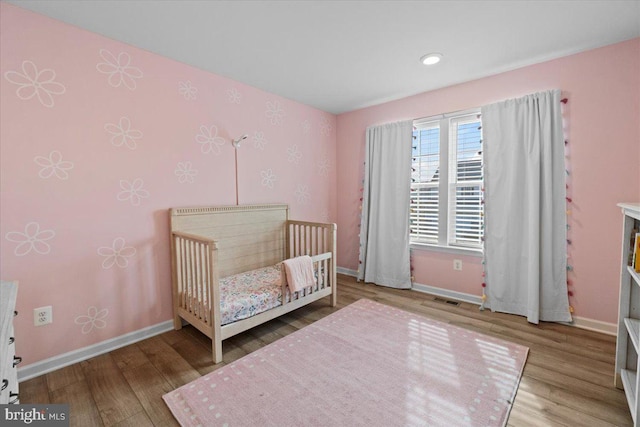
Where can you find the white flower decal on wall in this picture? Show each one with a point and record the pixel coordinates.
(209, 140)
(123, 134)
(274, 112)
(302, 194)
(33, 239)
(120, 70)
(185, 172)
(234, 96)
(93, 319)
(32, 83)
(325, 126)
(53, 165)
(324, 166)
(118, 254)
(187, 90)
(259, 140)
(306, 127)
(293, 154)
(132, 191)
(268, 178)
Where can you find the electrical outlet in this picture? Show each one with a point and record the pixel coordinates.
(457, 264)
(42, 316)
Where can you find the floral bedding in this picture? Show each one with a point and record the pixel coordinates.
(247, 294)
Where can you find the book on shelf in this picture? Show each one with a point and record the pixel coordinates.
(636, 253)
(633, 241)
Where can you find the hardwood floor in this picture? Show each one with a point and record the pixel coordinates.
(567, 381)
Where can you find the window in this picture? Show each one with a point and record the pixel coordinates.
(446, 189)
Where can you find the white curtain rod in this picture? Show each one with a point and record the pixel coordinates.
(446, 115)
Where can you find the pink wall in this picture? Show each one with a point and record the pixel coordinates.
(84, 207)
(73, 236)
(602, 123)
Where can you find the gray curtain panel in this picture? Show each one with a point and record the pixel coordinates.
(525, 207)
(384, 228)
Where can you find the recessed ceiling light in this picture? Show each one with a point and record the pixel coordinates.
(431, 58)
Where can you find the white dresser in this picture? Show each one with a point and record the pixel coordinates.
(8, 358)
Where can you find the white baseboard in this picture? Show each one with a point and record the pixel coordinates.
(51, 364)
(578, 322)
(75, 356)
(593, 325)
(347, 271)
(445, 293)
(460, 296)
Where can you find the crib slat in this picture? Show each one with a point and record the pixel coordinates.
(314, 240)
(205, 286)
(175, 289)
(214, 307)
(193, 279)
(177, 261)
(183, 261)
(198, 263)
(192, 267)
(202, 283)
(301, 238)
(188, 283)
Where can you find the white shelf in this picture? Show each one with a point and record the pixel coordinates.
(628, 340)
(629, 383)
(633, 328)
(635, 276)
(630, 209)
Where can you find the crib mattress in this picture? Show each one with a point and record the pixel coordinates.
(249, 293)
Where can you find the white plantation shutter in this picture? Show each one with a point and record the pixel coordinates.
(424, 209)
(465, 181)
(446, 189)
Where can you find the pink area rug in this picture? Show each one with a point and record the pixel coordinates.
(367, 364)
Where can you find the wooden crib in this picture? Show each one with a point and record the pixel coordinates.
(210, 243)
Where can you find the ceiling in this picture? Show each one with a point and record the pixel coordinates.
(339, 56)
